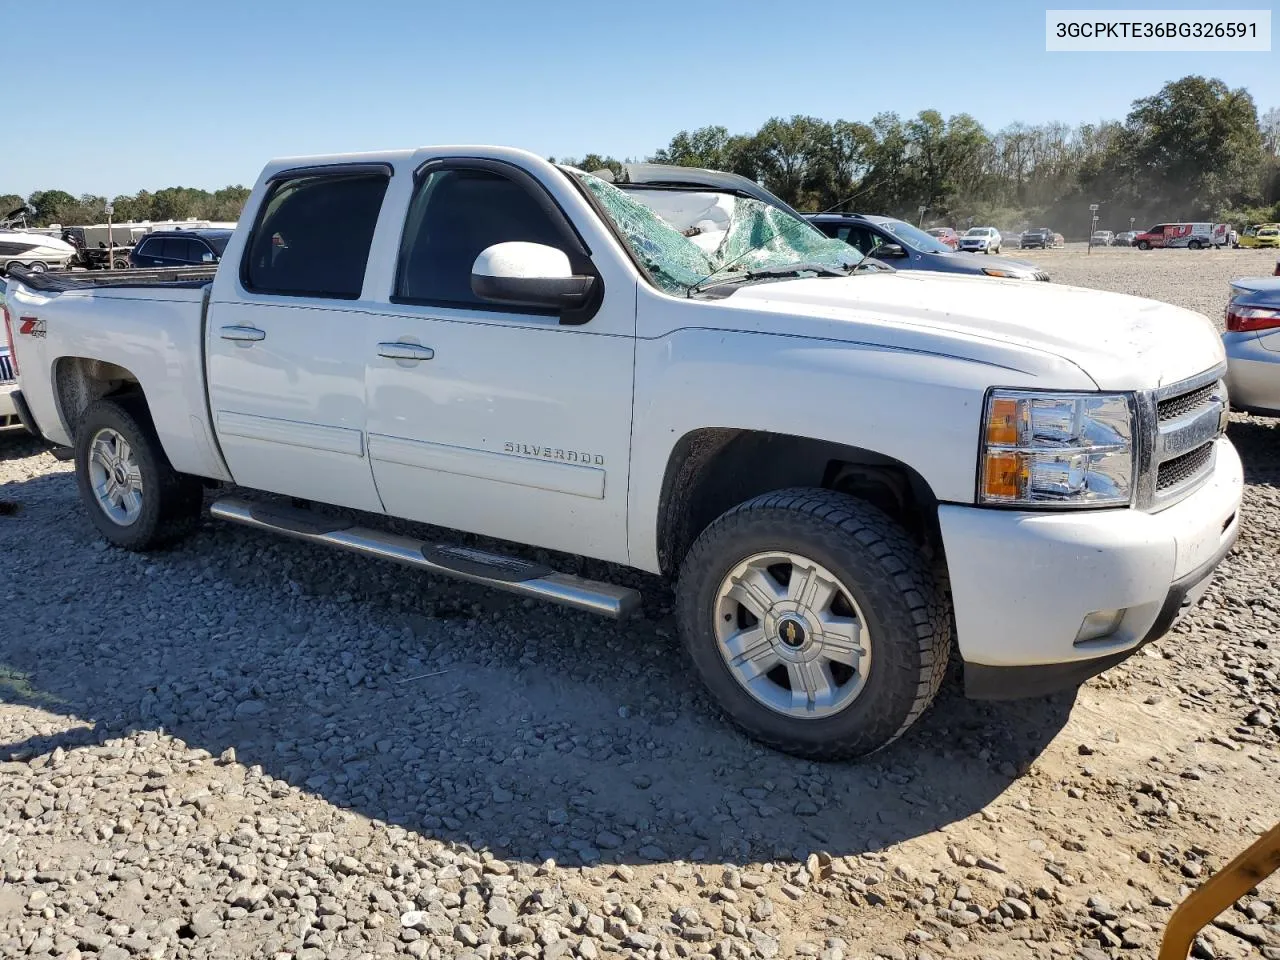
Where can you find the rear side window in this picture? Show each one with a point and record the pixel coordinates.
(184, 249)
(312, 236)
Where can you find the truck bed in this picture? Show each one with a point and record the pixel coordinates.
(63, 280)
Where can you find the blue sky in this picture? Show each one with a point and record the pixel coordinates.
(203, 94)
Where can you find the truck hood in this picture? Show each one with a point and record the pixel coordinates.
(1120, 342)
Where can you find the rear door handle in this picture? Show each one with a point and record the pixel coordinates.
(405, 351)
(243, 333)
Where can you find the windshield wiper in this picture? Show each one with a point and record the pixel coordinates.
(795, 269)
(871, 265)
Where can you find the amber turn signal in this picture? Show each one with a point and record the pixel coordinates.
(1005, 475)
(1004, 418)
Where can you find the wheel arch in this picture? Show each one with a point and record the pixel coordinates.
(78, 382)
(710, 470)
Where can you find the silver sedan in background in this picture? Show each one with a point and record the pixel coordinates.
(1252, 341)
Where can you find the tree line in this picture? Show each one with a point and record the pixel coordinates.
(1195, 150)
(172, 203)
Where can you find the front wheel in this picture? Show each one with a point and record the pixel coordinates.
(1144, 245)
(133, 495)
(1194, 245)
(814, 622)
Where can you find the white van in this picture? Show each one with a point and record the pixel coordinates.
(1194, 236)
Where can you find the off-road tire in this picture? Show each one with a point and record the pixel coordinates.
(906, 613)
(171, 501)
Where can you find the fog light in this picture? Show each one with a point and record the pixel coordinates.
(1099, 624)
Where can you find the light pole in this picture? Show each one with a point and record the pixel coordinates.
(111, 259)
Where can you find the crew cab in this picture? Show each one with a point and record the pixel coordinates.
(846, 469)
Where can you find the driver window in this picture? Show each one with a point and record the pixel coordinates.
(456, 213)
(860, 238)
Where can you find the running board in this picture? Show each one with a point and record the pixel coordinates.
(464, 563)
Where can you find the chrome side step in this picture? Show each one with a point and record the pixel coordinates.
(476, 566)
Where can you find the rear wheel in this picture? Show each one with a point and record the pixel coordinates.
(133, 495)
(814, 622)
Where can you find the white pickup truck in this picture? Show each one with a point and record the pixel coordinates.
(846, 469)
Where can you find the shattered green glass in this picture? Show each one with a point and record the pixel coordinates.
(674, 262)
(759, 237)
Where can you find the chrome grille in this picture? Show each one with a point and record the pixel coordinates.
(6, 369)
(1173, 473)
(1179, 406)
(1181, 425)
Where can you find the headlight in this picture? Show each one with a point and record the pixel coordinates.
(1007, 274)
(1056, 449)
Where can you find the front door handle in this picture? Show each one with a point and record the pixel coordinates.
(405, 351)
(242, 333)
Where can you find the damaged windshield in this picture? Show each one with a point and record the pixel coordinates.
(684, 238)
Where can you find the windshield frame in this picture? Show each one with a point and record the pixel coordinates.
(575, 177)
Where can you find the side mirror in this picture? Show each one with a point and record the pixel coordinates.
(207, 257)
(529, 275)
(888, 251)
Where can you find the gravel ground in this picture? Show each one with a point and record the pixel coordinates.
(245, 747)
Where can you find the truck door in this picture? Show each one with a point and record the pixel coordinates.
(497, 419)
(285, 339)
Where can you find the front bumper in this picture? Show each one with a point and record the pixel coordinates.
(1022, 582)
(1253, 373)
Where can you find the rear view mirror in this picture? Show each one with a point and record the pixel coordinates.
(529, 275)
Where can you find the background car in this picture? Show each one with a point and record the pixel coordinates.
(1011, 238)
(1101, 238)
(981, 240)
(1041, 237)
(945, 235)
(905, 247)
(1059, 240)
(1266, 236)
(1124, 239)
(179, 248)
(1260, 235)
(1252, 342)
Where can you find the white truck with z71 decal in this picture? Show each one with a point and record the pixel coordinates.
(847, 470)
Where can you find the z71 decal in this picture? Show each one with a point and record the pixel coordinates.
(31, 327)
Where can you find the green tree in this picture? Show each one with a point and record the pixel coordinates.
(49, 206)
(9, 202)
(709, 147)
(1195, 147)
